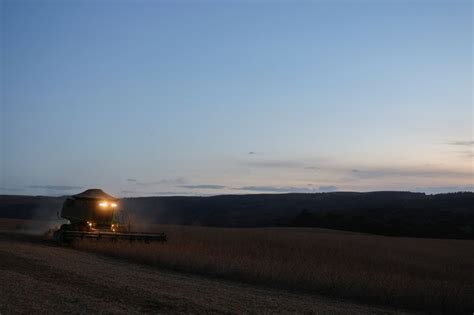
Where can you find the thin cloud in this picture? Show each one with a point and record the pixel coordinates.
(56, 187)
(170, 193)
(287, 189)
(252, 153)
(462, 143)
(129, 192)
(468, 148)
(469, 154)
(444, 189)
(11, 189)
(275, 189)
(202, 186)
(311, 168)
(133, 180)
(466, 154)
(173, 181)
(389, 172)
(274, 164)
(329, 188)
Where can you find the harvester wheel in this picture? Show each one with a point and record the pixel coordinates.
(65, 227)
(58, 236)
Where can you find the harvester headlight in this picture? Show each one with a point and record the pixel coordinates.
(103, 204)
(113, 205)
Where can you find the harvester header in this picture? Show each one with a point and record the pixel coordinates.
(98, 215)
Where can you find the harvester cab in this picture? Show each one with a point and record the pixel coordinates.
(98, 215)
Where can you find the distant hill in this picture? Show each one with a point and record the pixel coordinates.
(30, 207)
(387, 213)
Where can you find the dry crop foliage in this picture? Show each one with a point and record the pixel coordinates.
(424, 274)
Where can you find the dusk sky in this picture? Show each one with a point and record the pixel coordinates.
(207, 97)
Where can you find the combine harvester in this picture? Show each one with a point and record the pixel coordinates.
(94, 214)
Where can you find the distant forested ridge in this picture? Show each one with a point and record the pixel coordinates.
(387, 213)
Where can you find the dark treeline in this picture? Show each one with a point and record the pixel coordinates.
(29, 207)
(387, 213)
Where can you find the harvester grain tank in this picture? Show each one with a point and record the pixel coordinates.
(94, 214)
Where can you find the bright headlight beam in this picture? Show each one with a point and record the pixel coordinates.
(103, 204)
(113, 205)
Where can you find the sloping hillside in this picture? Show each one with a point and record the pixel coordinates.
(389, 213)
